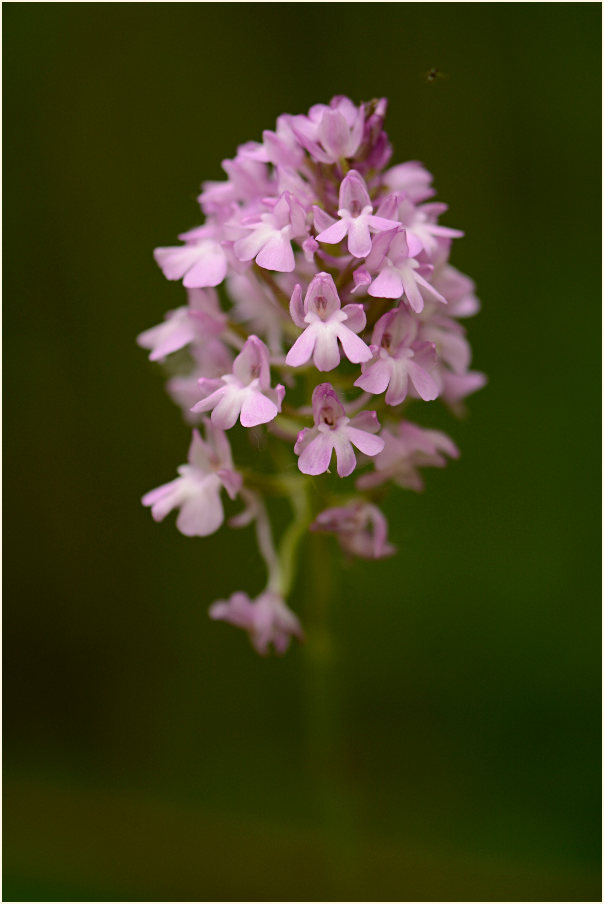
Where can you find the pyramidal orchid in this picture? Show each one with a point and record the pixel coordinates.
(324, 323)
(314, 256)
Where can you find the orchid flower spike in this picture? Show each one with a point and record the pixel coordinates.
(314, 255)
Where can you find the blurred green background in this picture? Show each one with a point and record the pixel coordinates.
(149, 754)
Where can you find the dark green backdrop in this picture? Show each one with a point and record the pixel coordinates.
(149, 755)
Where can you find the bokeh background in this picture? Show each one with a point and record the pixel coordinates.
(148, 753)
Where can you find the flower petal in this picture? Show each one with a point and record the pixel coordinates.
(227, 410)
(354, 347)
(302, 349)
(346, 459)
(367, 443)
(277, 255)
(375, 377)
(316, 456)
(359, 238)
(257, 409)
(387, 284)
(334, 234)
(326, 354)
(210, 270)
(202, 514)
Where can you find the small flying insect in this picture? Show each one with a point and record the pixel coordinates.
(433, 75)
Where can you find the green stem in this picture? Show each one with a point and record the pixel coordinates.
(326, 745)
(293, 536)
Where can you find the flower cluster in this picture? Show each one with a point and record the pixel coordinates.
(315, 258)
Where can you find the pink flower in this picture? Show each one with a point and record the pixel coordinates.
(266, 619)
(449, 338)
(356, 218)
(202, 318)
(271, 233)
(201, 260)
(245, 393)
(281, 147)
(457, 386)
(330, 133)
(255, 305)
(404, 452)
(458, 289)
(421, 222)
(375, 149)
(248, 180)
(334, 431)
(399, 359)
(325, 323)
(412, 179)
(196, 492)
(361, 529)
(393, 254)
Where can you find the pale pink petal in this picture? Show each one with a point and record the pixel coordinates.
(386, 323)
(425, 385)
(168, 337)
(455, 350)
(376, 377)
(326, 354)
(209, 402)
(238, 611)
(381, 245)
(303, 439)
(399, 382)
(414, 245)
(458, 386)
(322, 220)
(163, 499)
(387, 284)
(430, 290)
(277, 255)
(302, 349)
(230, 480)
(424, 355)
(334, 134)
(361, 278)
(199, 453)
(279, 392)
(359, 238)
(202, 514)
(175, 262)
(296, 307)
(252, 362)
(310, 246)
(209, 271)
(367, 421)
(248, 247)
(297, 216)
(322, 296)
(414, 296)
(325, 397)
(353, 193)
(227, 410)
(354, 347)
(335, 233)
(257, 409)
(367, 443)
(316, 456)
(380, 223)
(346, 459)
(355, 317)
